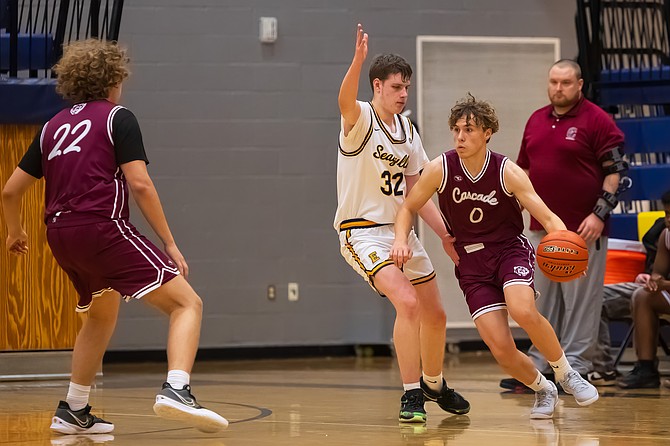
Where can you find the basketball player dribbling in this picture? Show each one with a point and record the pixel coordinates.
(481, 195)
(380, 156)
(90, 156)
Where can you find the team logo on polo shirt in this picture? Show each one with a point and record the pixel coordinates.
(572, 134)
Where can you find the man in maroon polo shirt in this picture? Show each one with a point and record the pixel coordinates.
(91, 155)
(572, 151)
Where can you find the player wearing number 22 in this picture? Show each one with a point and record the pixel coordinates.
(380, 156)
(480, 195)
(91, 155)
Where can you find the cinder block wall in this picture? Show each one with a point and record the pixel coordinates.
(242, 139)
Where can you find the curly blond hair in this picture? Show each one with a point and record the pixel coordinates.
(89, 69)
(481, 112)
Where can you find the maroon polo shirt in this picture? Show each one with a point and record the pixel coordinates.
(561, 155)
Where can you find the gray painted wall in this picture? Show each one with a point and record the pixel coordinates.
(242, 142)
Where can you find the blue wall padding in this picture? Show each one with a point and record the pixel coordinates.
(34, 52)
(29, 101)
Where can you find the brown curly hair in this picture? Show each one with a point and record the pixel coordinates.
(481, 112)
(89, 69)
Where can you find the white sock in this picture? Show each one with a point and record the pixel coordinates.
(77, 396)
(178, 379)
(560, 367)
(539, 383)
(433, 382)
(411, 386)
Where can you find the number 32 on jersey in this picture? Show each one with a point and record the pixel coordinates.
(391, 185)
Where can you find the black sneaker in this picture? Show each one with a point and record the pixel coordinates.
(68, 421)
(411, 407)
(448, 399)
(519, 387)
(602, 379)
(640, 378)
(181, 405)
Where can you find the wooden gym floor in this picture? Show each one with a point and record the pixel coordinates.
(333, 401)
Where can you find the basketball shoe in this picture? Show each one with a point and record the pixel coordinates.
(545, 402)
(411, 407)
(641, 377)
(583, 391)
(602, 379)
(180, 405)
(68, 421)
(448, 399)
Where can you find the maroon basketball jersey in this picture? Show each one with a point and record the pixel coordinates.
(478, 209)
(80, 166)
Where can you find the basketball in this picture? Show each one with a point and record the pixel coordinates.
(562, 256)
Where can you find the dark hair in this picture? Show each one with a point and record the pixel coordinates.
(385, 65)
(481, 112)
(665, 198)
(569, 63)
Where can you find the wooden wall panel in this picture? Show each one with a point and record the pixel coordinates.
(37, 301)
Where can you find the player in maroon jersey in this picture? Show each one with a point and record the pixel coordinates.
(91, 155)
(480, 194)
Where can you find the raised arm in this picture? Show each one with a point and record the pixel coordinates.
(518, 183)
(349, 108)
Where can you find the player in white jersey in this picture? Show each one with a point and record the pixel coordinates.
(380, 158)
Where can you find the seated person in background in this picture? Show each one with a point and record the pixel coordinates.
(649, 302)
(617, 305)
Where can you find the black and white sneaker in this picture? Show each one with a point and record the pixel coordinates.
(180, 405)
(602, 379)
(448, 399)
(68, 421)
(411, 407)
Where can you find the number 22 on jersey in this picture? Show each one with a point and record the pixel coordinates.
(81, 130)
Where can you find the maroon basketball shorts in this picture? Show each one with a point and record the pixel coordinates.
(485, 270)
(109, 255)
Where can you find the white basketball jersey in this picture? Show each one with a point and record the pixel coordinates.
(371, 167)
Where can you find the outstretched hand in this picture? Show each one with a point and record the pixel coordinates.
(361, 43)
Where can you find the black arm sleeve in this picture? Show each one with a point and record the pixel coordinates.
(127, 137)
(31, 163)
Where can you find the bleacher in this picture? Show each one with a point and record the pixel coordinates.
(624, 51)
(32, 35)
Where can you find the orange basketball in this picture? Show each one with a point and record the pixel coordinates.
(562, 256)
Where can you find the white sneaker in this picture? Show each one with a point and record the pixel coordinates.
(545, 402)
(581, 389)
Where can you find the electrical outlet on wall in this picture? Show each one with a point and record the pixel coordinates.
(293, 291)
(272, 292)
